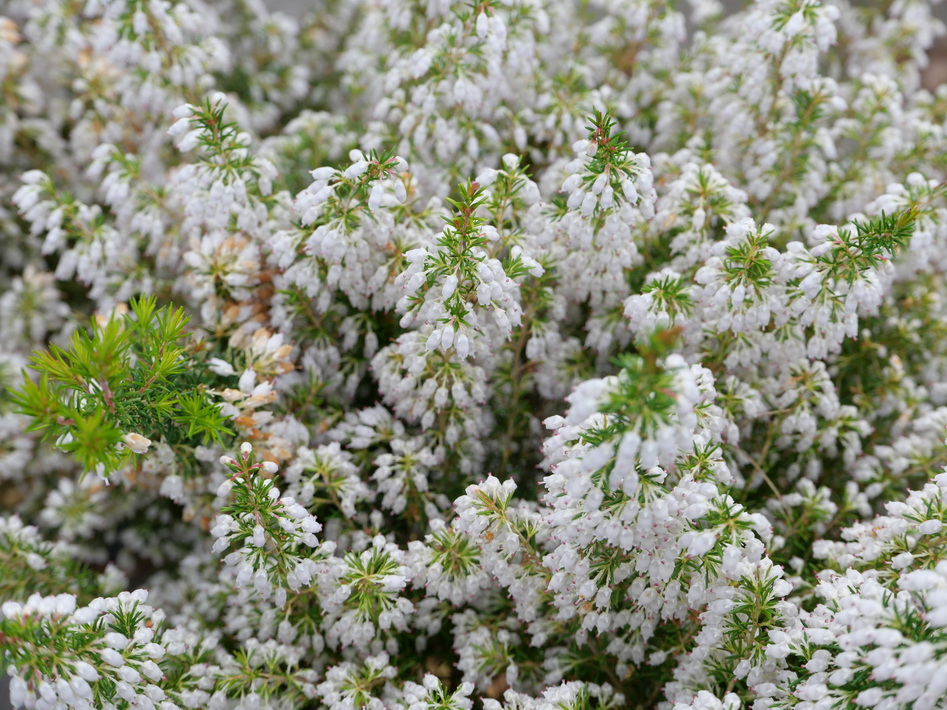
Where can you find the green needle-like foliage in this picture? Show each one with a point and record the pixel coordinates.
(130, 374)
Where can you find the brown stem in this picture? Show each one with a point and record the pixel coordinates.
(107, 395)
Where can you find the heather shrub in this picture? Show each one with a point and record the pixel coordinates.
(519, 354)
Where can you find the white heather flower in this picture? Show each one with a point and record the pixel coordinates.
(375, 197)
(356, 169)
(116, 641)
(190, 140)
(930, 527)
(112, 657)
(136, 442)
(221, 367)
(450, 285)
(702, 544)
(400, 191)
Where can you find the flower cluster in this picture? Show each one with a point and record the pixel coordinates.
(110, 653)
(472, 353)
(271, 527)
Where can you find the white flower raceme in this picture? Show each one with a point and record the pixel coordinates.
(341, 687)
(282, 523)
(127, 663)
(328, 467)
(471, 333)
(420, 386)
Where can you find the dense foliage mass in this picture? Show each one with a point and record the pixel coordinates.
(519, 354)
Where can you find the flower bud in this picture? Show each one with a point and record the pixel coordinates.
(323, 173)
(401, 193)
(116, 641)
(450, 285)
(112, 657)
(356, 169)
(136, 442)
